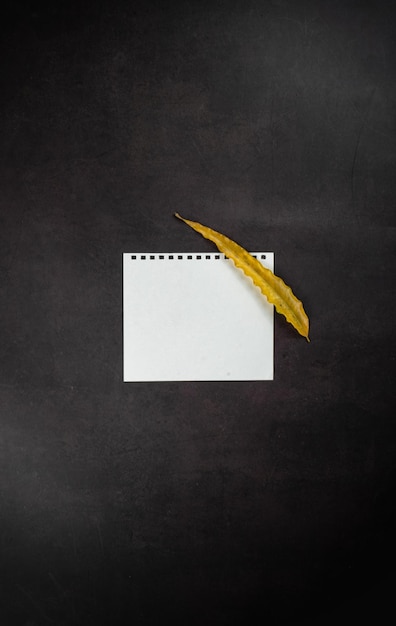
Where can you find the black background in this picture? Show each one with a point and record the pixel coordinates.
(196, 503)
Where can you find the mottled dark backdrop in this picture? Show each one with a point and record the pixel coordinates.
(205, 504)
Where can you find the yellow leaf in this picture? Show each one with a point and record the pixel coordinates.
(271, 286)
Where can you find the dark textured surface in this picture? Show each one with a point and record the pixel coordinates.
(196, 503)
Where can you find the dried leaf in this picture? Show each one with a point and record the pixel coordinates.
(271, 286)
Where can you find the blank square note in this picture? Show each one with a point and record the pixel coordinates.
(194, 317)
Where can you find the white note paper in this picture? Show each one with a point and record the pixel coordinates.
(194, 317)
